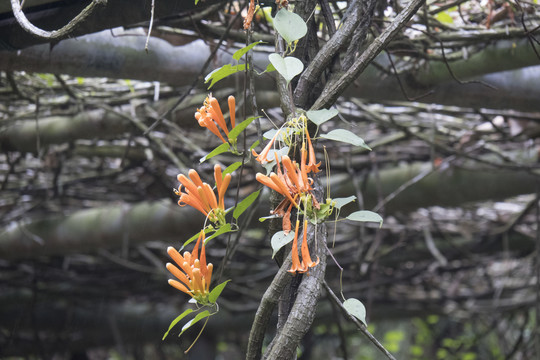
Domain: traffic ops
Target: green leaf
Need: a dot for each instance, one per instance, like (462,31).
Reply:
(244,204)
(231,168)
(214,294)
(239,53)
(219,150)
(288,67)
(444,17)
(356,309)
(340,202)
(365,216)
(269,68)
(254,145)
(175,321)
(279,240)
(270,134)
(345,136)
(290,26)
(233,134)
(320,116)
(195,320)
(222,230)
(194,237)
(223,72)
(264,218)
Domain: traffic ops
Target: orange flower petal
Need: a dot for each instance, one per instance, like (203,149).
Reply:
(208,123)
(284,190)
(176,272)
(232,110)
(265,180)
(179,286)
(306,258)
(218,177)
(312,165)
(194,176)
(294,254)
(217,115)
(208,275)
(262,157)
(223,189)
(210,195)
(188,184)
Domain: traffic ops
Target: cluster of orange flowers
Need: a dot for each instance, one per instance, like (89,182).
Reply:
(293,183)
(290,180)
(195,275)
(211,117)
(201,196)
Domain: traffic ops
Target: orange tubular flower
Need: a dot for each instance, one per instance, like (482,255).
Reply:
(194,274)
(306,258)
(296,264)
(312,166)
(306,263)
(201,196)
(211,117)
(263,156)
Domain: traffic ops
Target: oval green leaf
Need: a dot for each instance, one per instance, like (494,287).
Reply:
(222,230)
(244,204)
(290,26)
(240,52)
(222,73)
(320,116)
(233,134)
(347,137)
(214,294)
(175,321)
(340,202)
(288,67)
(279,240)
(365,216)
(219,150)
(356,309)
(195,320)
(231,168)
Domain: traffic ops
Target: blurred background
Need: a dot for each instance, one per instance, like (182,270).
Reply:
(94,130)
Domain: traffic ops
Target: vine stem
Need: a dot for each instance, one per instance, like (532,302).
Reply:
(363,328)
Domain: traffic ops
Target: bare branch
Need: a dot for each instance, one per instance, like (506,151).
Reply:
(55,34)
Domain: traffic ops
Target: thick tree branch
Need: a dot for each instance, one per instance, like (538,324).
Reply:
(313,72)
(284,344)
(333,90)
(266,307)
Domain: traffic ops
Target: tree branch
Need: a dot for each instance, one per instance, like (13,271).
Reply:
(55,34)
(266,307)
(333,90)
(312,73)
(284,344)
(363,328)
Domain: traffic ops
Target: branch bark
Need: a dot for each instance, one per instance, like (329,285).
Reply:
(333,90)
(88,230)
(284,344)
(55,34)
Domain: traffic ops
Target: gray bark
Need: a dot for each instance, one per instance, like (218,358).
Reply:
(124,57)
(91,229)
